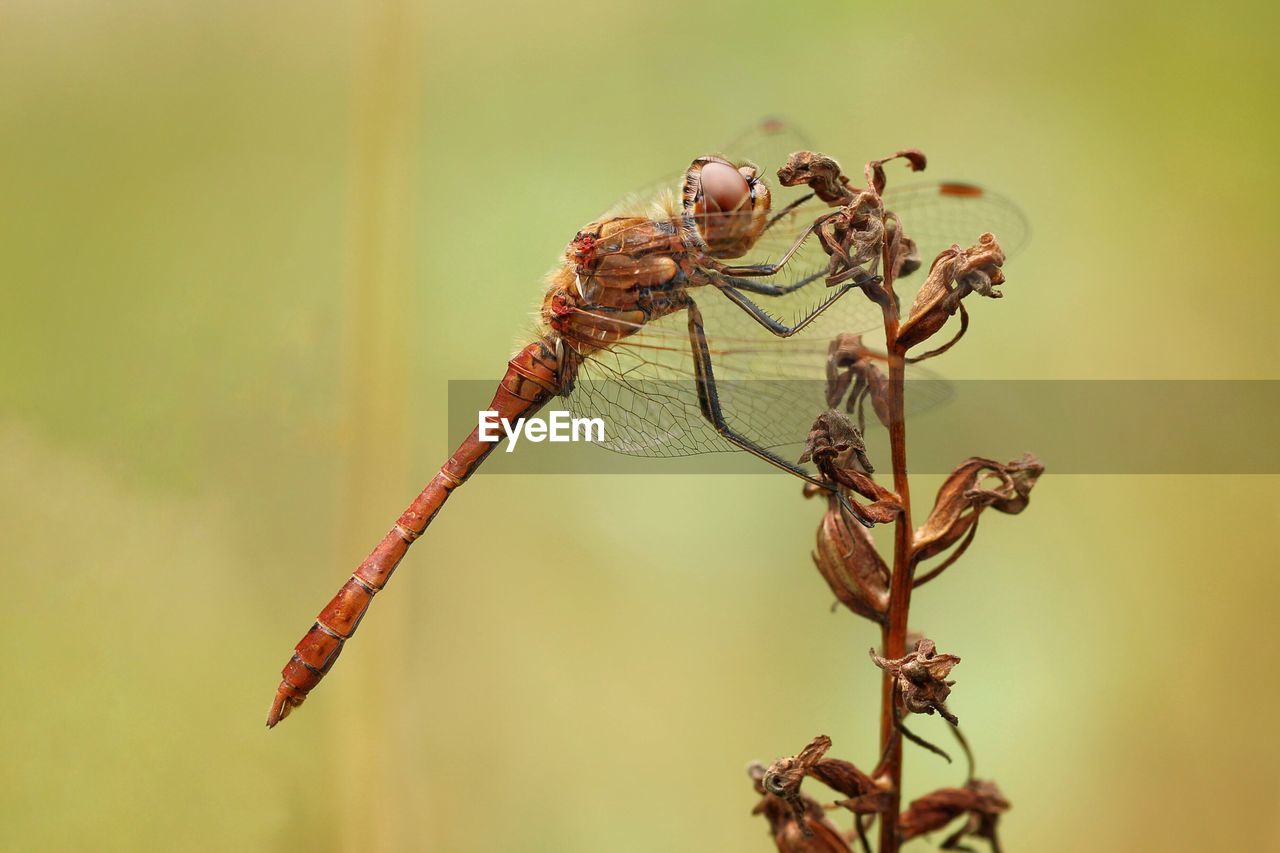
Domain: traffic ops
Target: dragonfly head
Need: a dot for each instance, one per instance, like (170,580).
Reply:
(726,204)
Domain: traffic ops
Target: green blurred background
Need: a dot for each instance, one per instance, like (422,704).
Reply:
(243,248)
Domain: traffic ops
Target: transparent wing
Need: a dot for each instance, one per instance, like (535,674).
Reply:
(770,390)
(767,143)
(936,215)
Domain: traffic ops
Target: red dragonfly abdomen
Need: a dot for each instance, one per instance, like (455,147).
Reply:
(533,377)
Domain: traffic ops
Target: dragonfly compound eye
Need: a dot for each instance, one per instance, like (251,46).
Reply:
(724,189)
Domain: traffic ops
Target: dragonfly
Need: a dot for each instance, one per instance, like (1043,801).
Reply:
(692,317)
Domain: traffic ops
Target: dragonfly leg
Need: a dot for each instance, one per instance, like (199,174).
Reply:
(776,326)
(709,402)
(756,270)
(768,289)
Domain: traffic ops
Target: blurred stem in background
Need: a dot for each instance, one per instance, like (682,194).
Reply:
(383,216)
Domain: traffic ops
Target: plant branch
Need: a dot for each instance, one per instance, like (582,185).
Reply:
(894,633)
(917,740)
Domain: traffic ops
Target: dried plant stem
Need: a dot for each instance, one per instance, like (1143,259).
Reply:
(915,681)
(894,633)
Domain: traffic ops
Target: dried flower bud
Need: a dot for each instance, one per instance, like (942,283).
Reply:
(848,561)
(784,776)
(954,275)
(920,679)
(981,800)
(1013,493)
(781,781)
(849,363)
(853,237)
(820,172)
(962,498)
(802,829)
(835,446)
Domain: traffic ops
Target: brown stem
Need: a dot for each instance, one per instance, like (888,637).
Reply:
(894,633)
(862,833)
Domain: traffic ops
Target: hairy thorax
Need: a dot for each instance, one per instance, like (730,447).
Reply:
(618,274)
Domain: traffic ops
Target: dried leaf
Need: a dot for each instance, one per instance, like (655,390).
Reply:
(933,811)
(981,800)
(963,496)
(873,803)
(954,275)
(874,170)
(865,797)
(1014,492)
(848,561)
(884,506)
(843,776)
